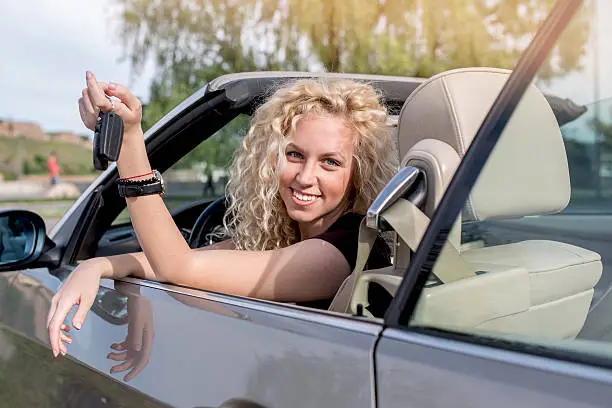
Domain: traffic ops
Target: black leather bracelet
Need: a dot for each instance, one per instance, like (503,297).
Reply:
(136,188)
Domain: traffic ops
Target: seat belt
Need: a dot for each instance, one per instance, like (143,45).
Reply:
(410,223)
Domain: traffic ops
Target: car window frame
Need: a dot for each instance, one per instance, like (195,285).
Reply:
(269,306)
(408,294)
(195,109)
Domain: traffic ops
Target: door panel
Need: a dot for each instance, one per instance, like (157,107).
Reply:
(29,375)
(5,283)
(204,350)
(416,370)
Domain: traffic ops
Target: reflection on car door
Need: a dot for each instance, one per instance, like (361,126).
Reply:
(194,349)
(29,375)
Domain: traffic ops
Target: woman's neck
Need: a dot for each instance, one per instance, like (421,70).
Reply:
(321,224)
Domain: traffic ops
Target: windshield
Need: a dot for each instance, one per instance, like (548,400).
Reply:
(588,142)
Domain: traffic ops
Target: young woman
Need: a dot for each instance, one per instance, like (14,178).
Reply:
(315,157)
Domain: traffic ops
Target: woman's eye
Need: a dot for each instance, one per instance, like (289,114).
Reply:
(332,162)
(294,155)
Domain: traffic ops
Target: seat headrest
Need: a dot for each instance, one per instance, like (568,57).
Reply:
(527,172)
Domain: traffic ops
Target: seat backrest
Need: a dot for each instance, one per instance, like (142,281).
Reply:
(437,124)
(449,108)
(526,174)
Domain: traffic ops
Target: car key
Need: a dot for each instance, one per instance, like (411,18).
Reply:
(108,136)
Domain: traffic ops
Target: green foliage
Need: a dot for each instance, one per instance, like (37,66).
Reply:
(194,41)
(8,176)
(579,157)
(601,123)
(606,132)
(72,158)
(217,151)
(201,39)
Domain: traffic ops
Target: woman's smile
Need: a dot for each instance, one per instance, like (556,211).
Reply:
(303,199)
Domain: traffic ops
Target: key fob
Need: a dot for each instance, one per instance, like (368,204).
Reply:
(108,136)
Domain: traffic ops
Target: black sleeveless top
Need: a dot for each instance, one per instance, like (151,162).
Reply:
(344,235)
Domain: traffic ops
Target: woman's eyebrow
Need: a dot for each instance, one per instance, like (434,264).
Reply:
(333,154)
(293,145)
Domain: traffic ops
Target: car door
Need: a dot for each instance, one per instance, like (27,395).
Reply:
(509,328)
(144,343)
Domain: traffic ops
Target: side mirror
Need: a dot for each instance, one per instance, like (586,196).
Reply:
(22,238)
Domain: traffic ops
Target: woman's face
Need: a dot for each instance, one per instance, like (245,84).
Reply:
(314,182)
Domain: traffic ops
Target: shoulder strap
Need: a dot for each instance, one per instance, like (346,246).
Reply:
(410,223)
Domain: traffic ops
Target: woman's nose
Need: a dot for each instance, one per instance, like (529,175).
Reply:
(306,174)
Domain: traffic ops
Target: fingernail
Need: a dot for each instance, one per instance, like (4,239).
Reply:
(54,352)
(88,74)
(112,86)
(77,325)
(63,353)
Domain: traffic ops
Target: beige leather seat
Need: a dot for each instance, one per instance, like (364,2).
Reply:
(537,287)
(534,287)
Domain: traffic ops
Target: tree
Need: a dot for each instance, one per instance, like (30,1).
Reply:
(193,41)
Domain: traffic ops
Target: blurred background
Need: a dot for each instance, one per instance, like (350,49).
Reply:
(164,50)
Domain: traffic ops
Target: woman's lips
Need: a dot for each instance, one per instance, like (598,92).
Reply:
(303,199)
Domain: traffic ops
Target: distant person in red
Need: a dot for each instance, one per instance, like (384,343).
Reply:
(53,168)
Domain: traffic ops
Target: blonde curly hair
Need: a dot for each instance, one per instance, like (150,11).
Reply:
(257,218)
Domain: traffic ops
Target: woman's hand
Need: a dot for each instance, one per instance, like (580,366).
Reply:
(80,288)
(134,352)
(96,97)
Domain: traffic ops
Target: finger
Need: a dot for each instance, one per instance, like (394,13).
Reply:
(63,349)
(79,317)
(89,108)
(56,321)
(135,338)
(117,356)
(66,338)
(126,365)
(85,118)
(51,310)
(88,119)
(119,346)
(124,95)
(137,369)
(96,94)
(148,340)
(144,358)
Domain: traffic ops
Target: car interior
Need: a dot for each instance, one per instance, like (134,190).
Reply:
(533,287)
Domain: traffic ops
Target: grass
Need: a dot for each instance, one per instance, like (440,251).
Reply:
(72,158)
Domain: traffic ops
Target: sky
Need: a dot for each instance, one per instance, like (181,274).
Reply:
(579,85)
(47,45)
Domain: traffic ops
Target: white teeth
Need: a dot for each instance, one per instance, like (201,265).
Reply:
(304,197)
